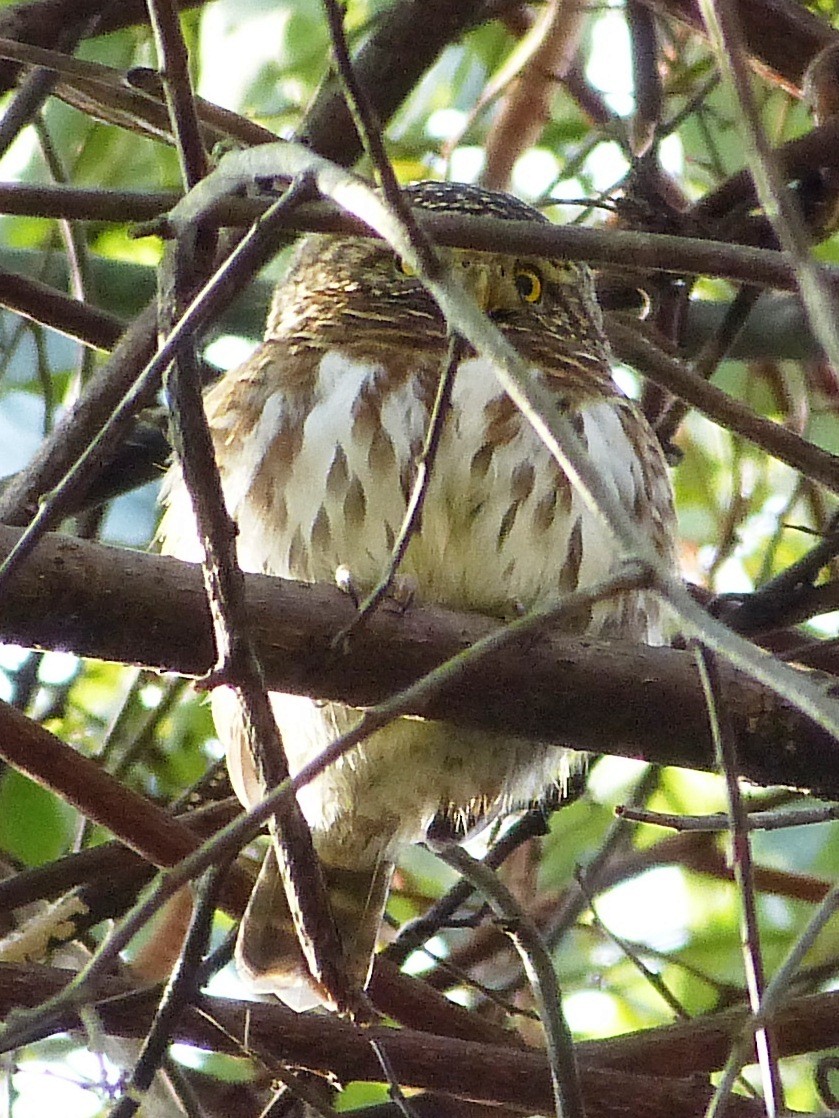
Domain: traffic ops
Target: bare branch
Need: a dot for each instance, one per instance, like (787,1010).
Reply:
(630,700)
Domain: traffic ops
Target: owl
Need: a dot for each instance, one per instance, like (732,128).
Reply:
(317,437)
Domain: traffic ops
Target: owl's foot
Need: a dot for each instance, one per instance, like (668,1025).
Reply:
(397,591)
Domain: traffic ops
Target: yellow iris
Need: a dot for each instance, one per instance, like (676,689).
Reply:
(528,284)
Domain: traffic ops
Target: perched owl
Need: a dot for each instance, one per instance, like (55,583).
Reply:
(317,437)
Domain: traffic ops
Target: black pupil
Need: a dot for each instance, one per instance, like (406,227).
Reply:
(525,285)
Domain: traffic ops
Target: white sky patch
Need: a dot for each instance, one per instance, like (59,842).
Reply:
(613,778)
(610,63)
(466,163)
(653,909)
(150,695)
(591,1013)
(730,577)
(12,656)
(606,166)
(57,668)
(419,961)
(445,123)
(228,350)
(79,1087)
(238,30)
(534,173)
(672,155)
(214,749)
(626,380)
(828,625)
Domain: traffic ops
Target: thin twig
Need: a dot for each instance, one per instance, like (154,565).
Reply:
(416,933)
(396,1093)
(636,349)
(632,953)
(714,824)
(529,80)
(413,513)
(238,666)
(600,246)
(173,61)
(649,97)
(712,354)
(725,748)
(540,972)
(618,835)
(177,997)
(369,129)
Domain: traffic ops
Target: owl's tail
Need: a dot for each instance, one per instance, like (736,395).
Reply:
(268,953)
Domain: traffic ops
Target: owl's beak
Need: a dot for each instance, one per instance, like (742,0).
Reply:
(482,281)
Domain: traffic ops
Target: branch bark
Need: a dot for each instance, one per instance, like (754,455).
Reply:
(504,1074)
(629,700)
(782,36)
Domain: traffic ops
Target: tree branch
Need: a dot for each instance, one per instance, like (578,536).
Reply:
(628,700)
(505,1074)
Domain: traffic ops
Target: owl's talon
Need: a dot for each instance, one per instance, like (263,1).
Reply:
(401,593)
(346,583)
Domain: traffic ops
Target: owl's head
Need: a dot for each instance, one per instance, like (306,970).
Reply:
(358,290)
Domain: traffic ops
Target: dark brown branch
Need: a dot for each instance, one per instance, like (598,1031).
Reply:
(158,837)
(781,35)
(41,303)
(408,39)
(785,445)
(505,1074)
(44,22)
(599,246)
(623,699)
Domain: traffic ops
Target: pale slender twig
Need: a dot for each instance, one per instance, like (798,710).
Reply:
(755,821)
(396,1093)
(725,749)
(540,973)
(774,993)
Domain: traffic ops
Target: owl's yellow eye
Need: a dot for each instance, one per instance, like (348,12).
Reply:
(405,268)
(528,284)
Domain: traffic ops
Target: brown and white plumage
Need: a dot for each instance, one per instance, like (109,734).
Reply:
(317,436)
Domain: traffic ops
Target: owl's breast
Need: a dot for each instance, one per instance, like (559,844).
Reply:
(502,527)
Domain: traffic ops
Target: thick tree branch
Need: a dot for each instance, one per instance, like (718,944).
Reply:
(624,699)
(505,1074)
